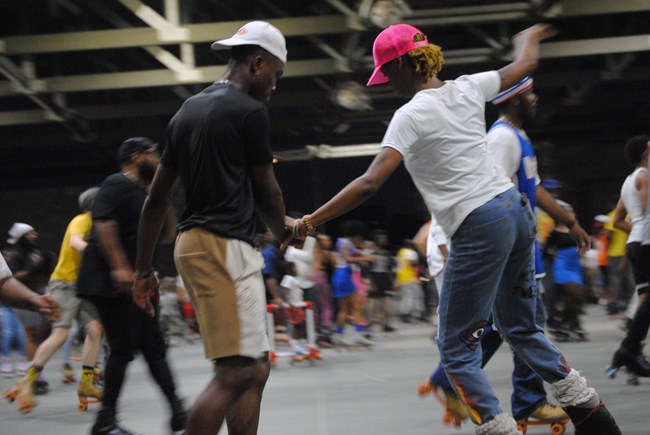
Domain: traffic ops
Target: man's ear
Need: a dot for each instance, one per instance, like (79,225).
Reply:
(256,65)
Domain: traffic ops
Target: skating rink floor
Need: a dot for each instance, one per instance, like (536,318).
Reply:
(346,393)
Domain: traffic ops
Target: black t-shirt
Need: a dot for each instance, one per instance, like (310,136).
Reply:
(121,200)
(212,142)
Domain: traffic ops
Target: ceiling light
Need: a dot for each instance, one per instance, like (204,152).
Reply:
(384,13)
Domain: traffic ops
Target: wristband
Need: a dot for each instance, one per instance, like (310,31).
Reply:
(145,275)
(308,225)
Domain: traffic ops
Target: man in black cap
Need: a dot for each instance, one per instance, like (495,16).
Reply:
(105,278)
(218,145)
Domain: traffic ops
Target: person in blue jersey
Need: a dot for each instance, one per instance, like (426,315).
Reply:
(513,152)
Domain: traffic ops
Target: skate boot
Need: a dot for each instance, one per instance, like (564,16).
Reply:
(339,341)
(361,340)
(593,421)
(7,367)
(41,386)
(635,363)
(68,374)
(455,410)
(106,424)
(88,393)
(179,416)
(23,394)
(550,414)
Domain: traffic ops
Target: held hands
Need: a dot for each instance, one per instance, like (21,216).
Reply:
(145,292)
(296,230)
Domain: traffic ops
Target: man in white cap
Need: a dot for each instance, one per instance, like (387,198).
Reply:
(218,145)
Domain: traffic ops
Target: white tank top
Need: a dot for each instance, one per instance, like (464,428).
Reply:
(632,201)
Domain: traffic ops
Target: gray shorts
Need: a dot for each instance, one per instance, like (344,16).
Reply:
(72,307)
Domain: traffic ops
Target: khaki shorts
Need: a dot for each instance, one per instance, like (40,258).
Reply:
(223,278)
(72,307)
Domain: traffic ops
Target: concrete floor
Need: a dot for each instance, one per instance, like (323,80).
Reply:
(348,393)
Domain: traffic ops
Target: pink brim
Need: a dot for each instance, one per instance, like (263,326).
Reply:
(377,77)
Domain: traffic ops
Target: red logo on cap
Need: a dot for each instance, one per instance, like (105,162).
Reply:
(243,31)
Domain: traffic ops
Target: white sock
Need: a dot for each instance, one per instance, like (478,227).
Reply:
(502,424)
(573,391)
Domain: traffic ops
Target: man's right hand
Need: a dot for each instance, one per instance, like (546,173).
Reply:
(122,279)
(145,292)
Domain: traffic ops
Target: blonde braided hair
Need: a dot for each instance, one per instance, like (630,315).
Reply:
(427,60)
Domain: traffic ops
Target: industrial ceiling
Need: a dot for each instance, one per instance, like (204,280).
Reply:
(78,76)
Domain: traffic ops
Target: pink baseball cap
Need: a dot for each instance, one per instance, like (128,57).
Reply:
(391,43)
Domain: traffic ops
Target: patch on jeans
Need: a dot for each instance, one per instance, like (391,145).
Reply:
(472,336)
(527,287)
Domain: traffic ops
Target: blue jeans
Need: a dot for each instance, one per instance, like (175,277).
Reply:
(12,330)
(490,274)
(528,392)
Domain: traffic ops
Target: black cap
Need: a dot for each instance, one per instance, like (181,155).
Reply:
(134,145)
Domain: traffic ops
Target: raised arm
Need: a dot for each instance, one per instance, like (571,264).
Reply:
(526,54)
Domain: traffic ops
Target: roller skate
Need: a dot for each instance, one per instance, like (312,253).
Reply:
(362,340)
(549,414)
(88,393)
(179,416)
(309,354)
(106,424)
(98,377)
(23,394)
(339,341)
(634,362)
(7,368)
(41,386)
(593,421)
(68,374)
(455,410)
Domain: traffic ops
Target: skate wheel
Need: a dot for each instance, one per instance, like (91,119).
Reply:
(424,388)
(447,418)
(557,429)
(457,421)
(611,372)
(522,427)
(10,395)
(83,406)
(26,409)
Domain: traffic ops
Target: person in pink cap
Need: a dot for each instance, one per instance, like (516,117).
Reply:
(440,135)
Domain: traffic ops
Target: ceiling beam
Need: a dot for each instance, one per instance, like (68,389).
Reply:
(144,36)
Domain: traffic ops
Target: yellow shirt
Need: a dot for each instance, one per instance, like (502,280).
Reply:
(69,258)
(545,225)
(407,259)
(618,238)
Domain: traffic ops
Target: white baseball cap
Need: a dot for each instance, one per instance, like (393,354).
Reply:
(258,33)
(18,230)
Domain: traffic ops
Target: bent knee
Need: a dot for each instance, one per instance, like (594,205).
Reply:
(241,372)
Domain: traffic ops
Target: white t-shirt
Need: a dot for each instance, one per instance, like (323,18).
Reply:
(5,272)
(436,237)
(304,261)
(504,146)
(294,291)
(631,197)
(441,136)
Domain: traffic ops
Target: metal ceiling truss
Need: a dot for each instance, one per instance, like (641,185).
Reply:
(169,30)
